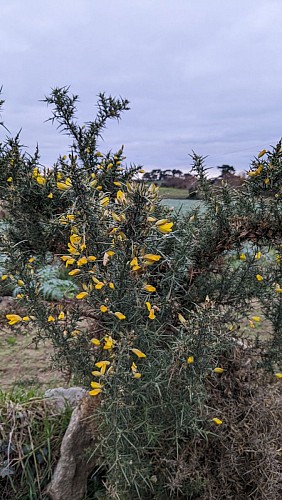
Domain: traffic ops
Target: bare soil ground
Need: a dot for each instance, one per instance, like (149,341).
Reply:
(22,364)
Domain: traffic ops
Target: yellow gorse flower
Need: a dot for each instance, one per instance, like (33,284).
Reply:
(74,272)
(103,309)
(119,315)
(164,226)
(138,353)
(134,264)
(105,201)
(254,173)
(182,319)
(82,295)
(120,197)
(217,421)
(82,261)
(152,314)
(97,388)
(99,285)
(108,342)
(64,186)
(150,288)
(190,360)
(151,258)
(242,256)
(278,375)
(41,180)
(61,315)
(13,319)
(259,277)
(95,342)
(50,318)
(218,369)
(256,318)
(262,153)
(103,366)
(4,277)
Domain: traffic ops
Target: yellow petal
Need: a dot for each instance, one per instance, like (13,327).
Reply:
(50,319)
(261,153)
(101,364)
(256,318)
(4,277)
(242,256)
(62,186)
(92,258)
(96,385)
(152,314)
(152,257)
(103,309)
(96,373)
(190,360)
(138,353)
(13,319)
(137,375)
(166,228)
(217,421)
(61,315)
(120,197)
(259,277)
(40,180)
(258,255)
(95,392)
(111,285)
(119,315)
(99,285)
(81,295)
(150,288)
(108,342)
(148,305)
(161,222)
(75,239)
(182,319)
(95,342)
(278,375)
(82,261)
(74,272)
(20,283)
(105,201)
(218,369)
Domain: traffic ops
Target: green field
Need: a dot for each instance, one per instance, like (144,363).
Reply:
(181,204)
(173,193)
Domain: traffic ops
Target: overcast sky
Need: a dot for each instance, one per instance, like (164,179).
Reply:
(199,74)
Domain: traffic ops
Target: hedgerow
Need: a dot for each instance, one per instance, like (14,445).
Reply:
(159,300)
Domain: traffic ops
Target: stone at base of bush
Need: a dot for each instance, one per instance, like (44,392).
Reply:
(60,397)
(73,468)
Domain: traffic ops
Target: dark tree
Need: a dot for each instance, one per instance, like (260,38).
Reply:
(226,169)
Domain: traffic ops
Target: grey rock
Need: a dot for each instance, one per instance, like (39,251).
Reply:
(69,481)
(60,397)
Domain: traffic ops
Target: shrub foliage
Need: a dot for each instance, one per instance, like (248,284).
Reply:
(159,298)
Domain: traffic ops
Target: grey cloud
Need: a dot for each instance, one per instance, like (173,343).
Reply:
(200,75)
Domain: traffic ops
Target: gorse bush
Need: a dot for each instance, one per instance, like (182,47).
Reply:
(158,301)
